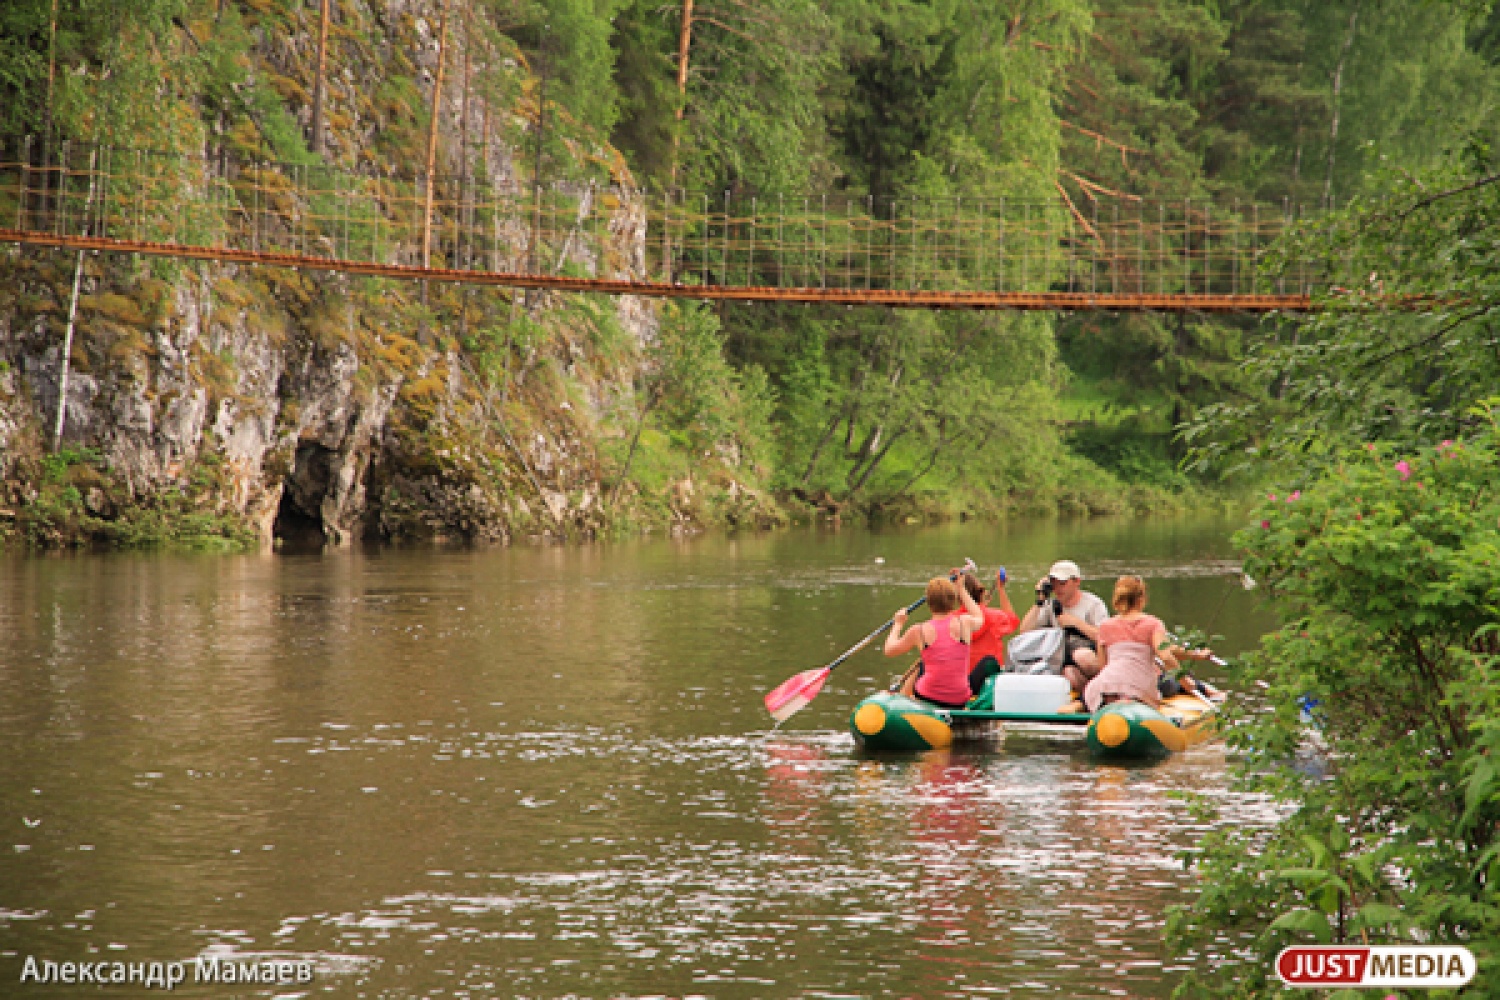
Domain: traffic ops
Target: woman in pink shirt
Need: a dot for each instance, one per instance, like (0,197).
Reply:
(943,675)
(1129,645)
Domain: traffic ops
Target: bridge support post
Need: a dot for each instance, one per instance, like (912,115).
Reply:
(754,215)
(1000,266)
(25,177)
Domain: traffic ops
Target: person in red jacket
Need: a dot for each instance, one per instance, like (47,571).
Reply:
(987,646)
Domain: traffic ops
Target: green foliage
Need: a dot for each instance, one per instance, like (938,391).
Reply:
(754,109)
(1146,375)
(1402,346)
(958,96)
(91,43)
(77,503)
(1412,86)
(1132,454)
(648,95)
(877,408)
(1266,108)
(1385,570)
(699,395)
(697,417)
(569,40)
(902,59)
(57,465)
(1246,101)
(24,35)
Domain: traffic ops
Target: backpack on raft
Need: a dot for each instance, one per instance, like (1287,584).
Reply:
(1040,651)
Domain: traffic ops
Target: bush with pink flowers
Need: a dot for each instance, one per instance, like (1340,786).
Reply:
(1385,572)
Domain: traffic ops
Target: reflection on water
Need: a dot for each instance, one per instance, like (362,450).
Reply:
(546,772)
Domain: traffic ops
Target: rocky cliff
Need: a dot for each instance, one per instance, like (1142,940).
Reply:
(226,404)
(233,394)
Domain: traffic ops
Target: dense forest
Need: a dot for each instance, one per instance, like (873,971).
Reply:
(743,412)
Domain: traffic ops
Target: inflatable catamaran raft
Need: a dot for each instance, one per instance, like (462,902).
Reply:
(887,722)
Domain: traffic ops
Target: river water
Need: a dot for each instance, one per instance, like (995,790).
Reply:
(546,772)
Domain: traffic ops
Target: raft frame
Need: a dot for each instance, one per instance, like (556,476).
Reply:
(887,722)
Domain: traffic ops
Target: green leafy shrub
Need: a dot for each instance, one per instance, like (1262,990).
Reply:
(1131,452)
(77,503)
(708,413)
(1385,569)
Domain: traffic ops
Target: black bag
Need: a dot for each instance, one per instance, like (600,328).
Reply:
(1075,641)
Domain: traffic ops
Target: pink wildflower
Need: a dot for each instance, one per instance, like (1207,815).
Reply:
(1266,525)
(1271,497)
(1404,469)
(1296,495)
(1445,446)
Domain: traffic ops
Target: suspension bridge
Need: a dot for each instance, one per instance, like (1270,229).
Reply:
(588,236)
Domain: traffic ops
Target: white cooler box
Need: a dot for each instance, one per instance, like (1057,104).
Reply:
(1031,694)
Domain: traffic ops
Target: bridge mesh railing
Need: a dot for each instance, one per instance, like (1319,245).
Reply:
(973,244)
(470,221)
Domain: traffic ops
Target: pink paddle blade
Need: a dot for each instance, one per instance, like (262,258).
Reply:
(793,695)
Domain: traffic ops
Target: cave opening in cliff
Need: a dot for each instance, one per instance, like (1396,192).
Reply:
(299,518)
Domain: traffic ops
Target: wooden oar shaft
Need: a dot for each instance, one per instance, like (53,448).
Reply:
(793,694)
(871,637)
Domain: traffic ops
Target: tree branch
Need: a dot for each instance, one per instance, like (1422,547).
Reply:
(937,451)
(1077,215)
(870,469)
(1439,196)
(1423,342)
(1089,187)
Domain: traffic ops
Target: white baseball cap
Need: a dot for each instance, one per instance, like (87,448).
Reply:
(1065,569)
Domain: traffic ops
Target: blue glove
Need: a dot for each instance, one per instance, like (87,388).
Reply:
(1000,574)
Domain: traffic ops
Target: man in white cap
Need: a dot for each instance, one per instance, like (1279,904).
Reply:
(1061,602)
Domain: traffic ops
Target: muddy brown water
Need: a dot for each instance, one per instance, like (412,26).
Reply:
(546,772)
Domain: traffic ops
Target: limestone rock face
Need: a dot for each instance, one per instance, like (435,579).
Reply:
(13,413)
(304,436)
(327,406)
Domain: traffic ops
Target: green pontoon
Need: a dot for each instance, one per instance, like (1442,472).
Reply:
(886,722)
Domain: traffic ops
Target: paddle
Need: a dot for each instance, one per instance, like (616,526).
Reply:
(793,695)
(1213,658)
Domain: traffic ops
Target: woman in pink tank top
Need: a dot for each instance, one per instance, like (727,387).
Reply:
(1129,645)
(943,675)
